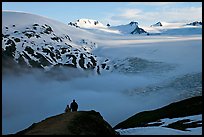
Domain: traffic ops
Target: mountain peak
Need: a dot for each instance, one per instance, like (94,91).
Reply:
(133,23)
(88,23)
(158,24)
(130,28)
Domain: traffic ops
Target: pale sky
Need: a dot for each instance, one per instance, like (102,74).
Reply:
(114,13)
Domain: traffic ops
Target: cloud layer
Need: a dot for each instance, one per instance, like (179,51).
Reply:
(154,12)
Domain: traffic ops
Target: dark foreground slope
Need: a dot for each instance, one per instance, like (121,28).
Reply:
(71,123)
(187,107)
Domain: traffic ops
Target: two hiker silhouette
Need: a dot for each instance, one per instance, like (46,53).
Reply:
(67,109)
(73,107)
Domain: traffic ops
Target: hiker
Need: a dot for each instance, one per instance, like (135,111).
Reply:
(74,106)
(67,109)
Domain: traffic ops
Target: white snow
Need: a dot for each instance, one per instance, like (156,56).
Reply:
(173,29)
(125,29)
(192,118)
(161,130)
(89,23)
(33,97)
(27,19)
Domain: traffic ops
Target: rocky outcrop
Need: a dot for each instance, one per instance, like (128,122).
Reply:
(138,30)
(87,23)
(195,23)
(158,24)
(71,123)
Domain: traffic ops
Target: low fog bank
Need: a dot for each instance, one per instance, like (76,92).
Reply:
(34,96)
(59,73)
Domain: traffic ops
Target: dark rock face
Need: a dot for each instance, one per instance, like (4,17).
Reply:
(133,23)
(96,22)
(195,23)
(138,30)
(71,123)
(158,24)
(73,24)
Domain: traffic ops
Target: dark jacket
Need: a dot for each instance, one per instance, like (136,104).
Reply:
(74,106)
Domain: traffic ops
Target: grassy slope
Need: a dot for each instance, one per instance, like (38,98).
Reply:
(71,123)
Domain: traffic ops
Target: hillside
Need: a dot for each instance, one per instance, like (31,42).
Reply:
(188,107)
(175,118)
(71,123)
(44,43)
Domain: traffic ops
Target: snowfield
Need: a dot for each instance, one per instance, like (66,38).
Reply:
(147,72)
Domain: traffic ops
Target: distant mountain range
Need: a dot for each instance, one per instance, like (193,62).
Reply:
(134,28)
(39,42)
(195,23)
(131,28)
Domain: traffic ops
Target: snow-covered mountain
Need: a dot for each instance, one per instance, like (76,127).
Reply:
(87,23)
(158,24)
(166,28)
(161,28)
(45,43)
(131,28)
